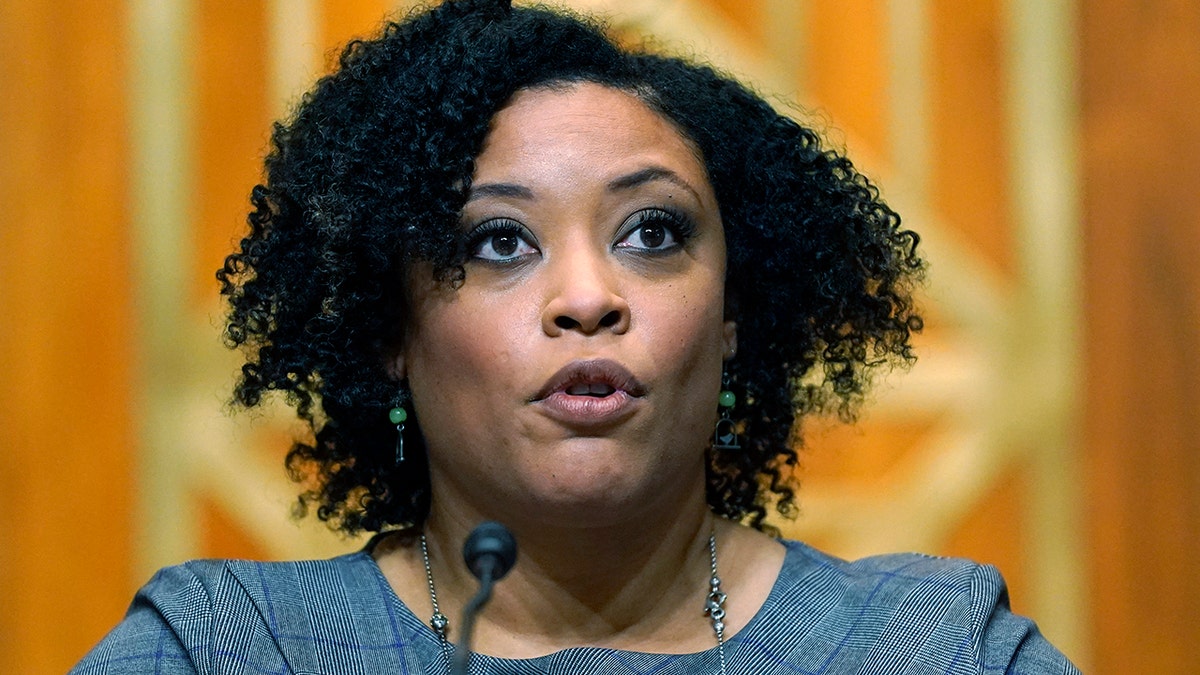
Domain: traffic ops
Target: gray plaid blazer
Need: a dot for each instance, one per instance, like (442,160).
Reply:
(886,614)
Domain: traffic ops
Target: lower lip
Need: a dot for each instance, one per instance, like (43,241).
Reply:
(588,411)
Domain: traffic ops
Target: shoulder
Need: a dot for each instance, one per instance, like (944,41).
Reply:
(200,615)
(909,609)
(894,576)
(215,588)
(888,589)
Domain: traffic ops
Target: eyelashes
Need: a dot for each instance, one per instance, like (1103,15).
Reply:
(501,240)
(655,231)
(650,232)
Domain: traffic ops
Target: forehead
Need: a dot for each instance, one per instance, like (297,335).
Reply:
(585,126)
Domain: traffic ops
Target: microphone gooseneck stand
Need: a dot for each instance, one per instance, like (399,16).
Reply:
(490,551)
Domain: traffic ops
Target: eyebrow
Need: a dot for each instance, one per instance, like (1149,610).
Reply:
(510,190)
(626,182)
(648,175)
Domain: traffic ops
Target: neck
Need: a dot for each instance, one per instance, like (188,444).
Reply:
(624,584)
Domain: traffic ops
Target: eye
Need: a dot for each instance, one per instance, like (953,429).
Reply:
(655,231)
(501,240)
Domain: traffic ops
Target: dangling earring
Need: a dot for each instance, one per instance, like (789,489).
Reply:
(398,415)
(725,437)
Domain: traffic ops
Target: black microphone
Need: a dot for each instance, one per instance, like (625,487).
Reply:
(490,551)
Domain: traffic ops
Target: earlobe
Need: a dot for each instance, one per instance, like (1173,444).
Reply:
(730,338)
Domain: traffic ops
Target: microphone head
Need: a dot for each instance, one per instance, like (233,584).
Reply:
(490,543)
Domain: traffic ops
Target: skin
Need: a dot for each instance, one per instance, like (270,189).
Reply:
(613,249)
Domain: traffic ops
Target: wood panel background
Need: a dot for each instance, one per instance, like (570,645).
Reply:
(1140,86)
(66,360)
(1050,428)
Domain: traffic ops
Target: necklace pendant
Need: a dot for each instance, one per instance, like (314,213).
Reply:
(439,623)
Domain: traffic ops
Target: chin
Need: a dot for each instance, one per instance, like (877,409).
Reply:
(593,492)
(583,484)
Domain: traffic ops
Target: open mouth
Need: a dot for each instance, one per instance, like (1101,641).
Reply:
(597,378)
(590,395)
(596,389)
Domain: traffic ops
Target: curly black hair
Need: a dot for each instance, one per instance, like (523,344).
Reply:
(371,172)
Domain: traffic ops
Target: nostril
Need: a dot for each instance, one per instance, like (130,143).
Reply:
(587,320)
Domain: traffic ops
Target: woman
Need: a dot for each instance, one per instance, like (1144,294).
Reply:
(509,271)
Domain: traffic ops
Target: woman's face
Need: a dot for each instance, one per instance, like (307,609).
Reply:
(575,372)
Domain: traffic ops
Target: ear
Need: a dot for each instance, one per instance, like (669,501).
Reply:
(396,367)
(730,339)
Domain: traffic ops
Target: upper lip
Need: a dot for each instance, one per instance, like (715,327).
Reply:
(591,372)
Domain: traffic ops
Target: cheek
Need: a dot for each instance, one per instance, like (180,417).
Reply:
(452,370)
(689,334)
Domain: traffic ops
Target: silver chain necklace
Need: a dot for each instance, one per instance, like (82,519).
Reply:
(438,622)
(714,604)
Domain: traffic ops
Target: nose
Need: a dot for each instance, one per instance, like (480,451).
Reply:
(583,298)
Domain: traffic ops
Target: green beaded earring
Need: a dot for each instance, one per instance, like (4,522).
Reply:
(725,437)
(397,416)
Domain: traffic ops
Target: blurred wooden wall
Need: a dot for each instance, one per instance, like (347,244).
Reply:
(66,348)
(1140,90)
(71,400)
(74,373)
